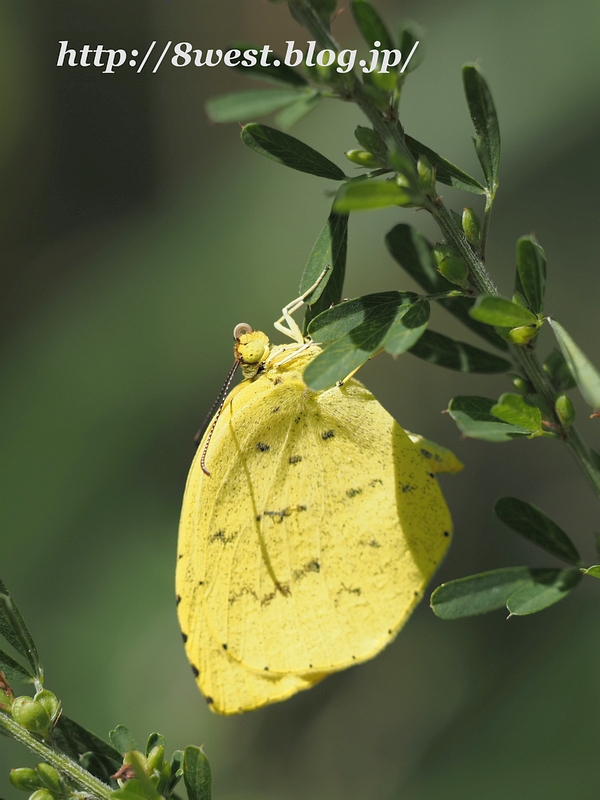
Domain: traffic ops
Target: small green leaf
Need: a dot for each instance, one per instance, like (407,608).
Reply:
(371,25)
(478,594)
(446,352)
(474,417)
(122,739)
(153,740)
(329,251)
(354,331)
(287,118)
(196,774)
(585,373)
(271,74)
(131,790)
(407,329)
(446,172)
(531,267)
(485,121)
(413,252)
(545,591)
(324,8)
(150,790)
(14,630)
(556,367)
(514,409)
(534,525)
(240,106)
(408,36)
(501,312)
(13,670)
(291,152)
(593,571)
(364,195)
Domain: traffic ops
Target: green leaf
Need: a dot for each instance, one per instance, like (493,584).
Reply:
(196,774)
(133,789)
(585,373)
(501,312)
(329,251)
(123,740)
(155,739)
(485,121)
(371,25)
(354,331)
(287,118)
(478,594)
(534,525)
(407,37)
(593,571)
(324,8)
(514,409)
(13,670)
(364,195)
(558,371)
(14,630)
(531,269)
(408,329)
(240,106)
(278,75)
(413,252)
(446,352)
(446,172)
(474,417)
(545,591)
(138,766)
(74,740)
(290,152)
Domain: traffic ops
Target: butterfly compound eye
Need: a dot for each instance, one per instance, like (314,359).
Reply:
(240,329)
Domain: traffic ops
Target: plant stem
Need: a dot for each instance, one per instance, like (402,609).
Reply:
(389,128)
(76,773)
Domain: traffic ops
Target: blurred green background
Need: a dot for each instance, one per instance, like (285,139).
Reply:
(135,235)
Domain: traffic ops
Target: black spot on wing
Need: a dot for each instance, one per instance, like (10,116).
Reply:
(263,447)
(446,533)
(327,434)
(295,459)
(224,646)
(177,600)
(195,670)
(209,700)
(184,637)
(353,492)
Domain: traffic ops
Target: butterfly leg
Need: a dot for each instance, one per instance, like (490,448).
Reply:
(293,330)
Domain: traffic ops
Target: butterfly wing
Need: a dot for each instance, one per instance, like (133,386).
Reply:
(316,534)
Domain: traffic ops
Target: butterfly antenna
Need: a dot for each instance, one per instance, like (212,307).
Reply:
(218,405)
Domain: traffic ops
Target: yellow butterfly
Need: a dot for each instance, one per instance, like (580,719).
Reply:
(311,524)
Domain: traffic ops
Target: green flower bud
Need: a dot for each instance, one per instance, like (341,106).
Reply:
(386,81)
(24,778)
(41,794)
(520,383)
(31,715)
(523,334)
(369,140)
(156,757)
(471,227)
(564,410)
(140,756)
(451,265)
(520,300)
(6,701)
(49,777)
(50,702)
(426,174)
(362,158)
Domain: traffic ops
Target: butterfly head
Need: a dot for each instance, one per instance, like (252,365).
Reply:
(251,349)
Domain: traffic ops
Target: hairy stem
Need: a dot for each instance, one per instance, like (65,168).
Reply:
(65,765)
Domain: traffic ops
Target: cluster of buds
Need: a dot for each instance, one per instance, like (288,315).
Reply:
(44,782)
(153,765)
(38,714)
